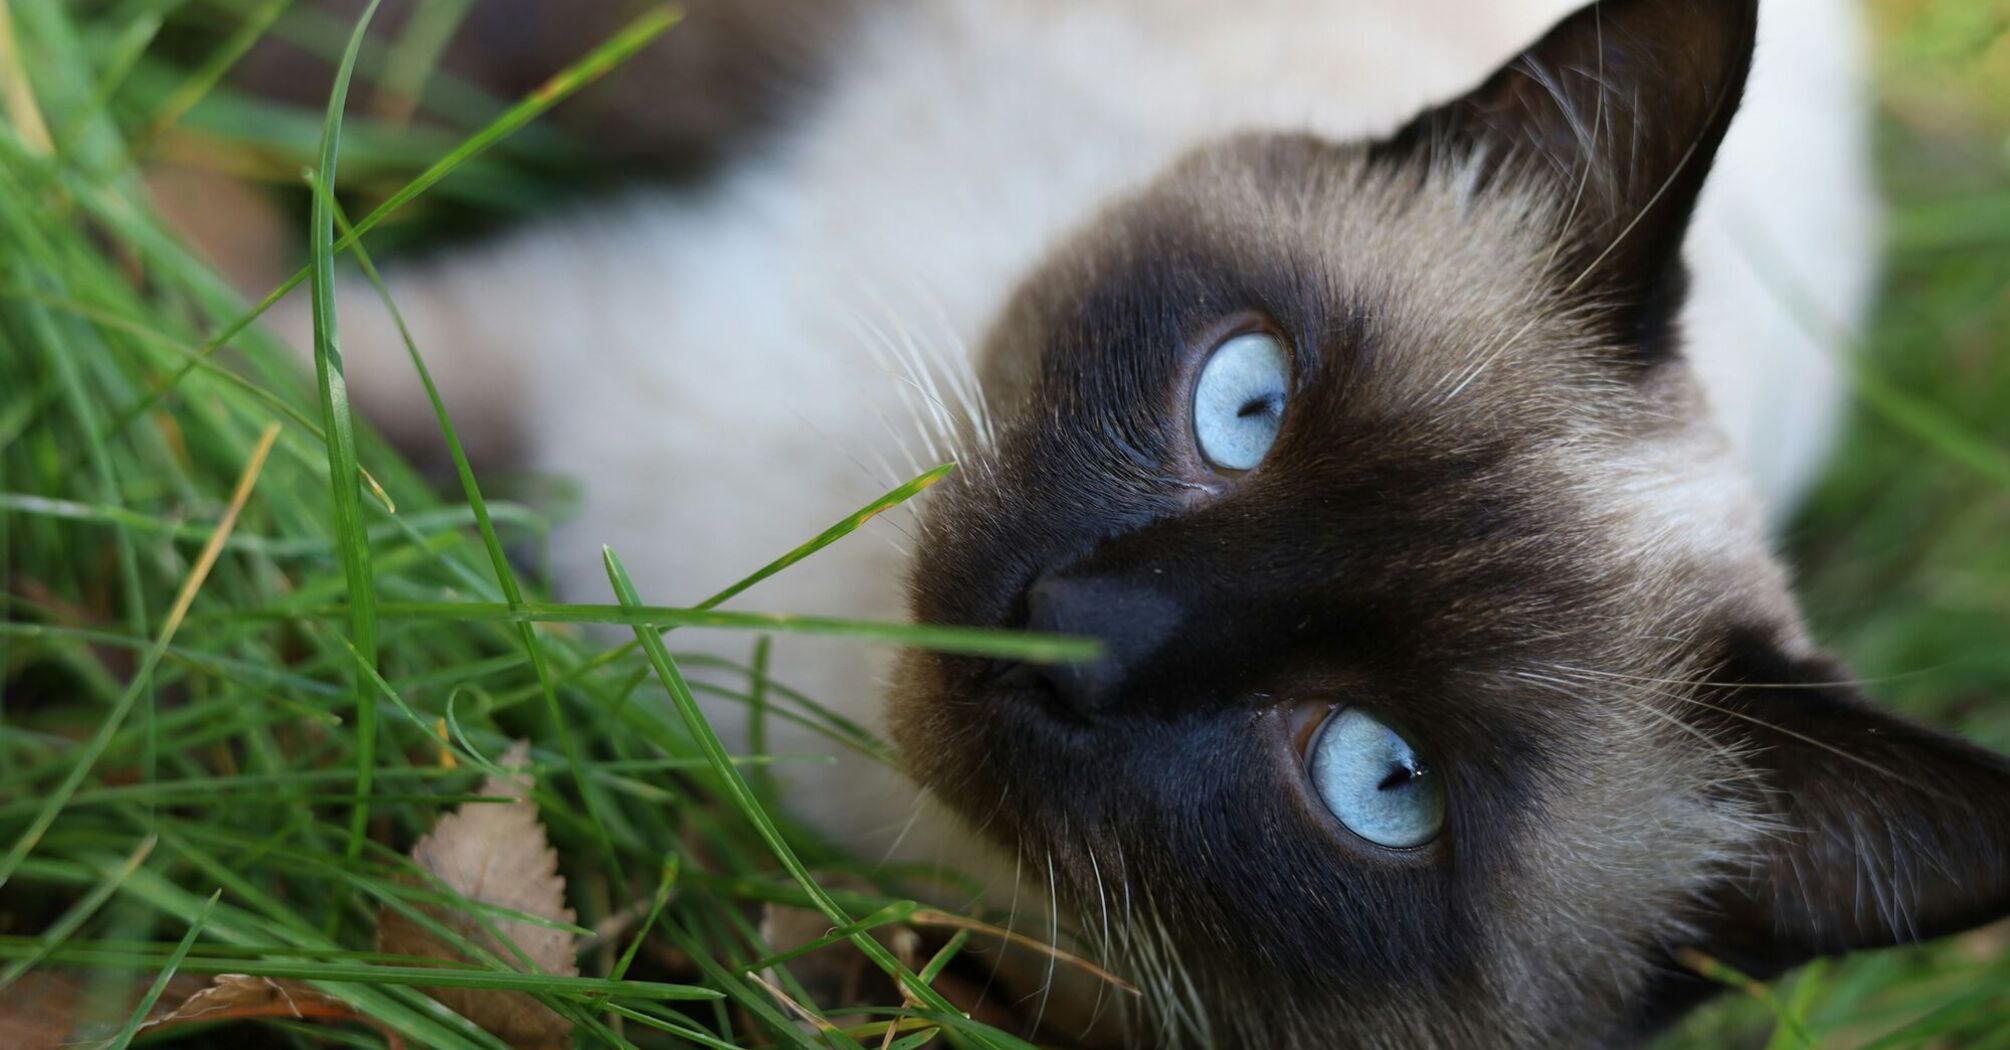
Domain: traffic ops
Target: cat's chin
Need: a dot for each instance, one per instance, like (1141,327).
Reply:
(940,722)
(957,724)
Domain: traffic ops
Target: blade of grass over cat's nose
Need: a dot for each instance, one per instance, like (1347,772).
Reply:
(849,524)
(742,796)
(966,641)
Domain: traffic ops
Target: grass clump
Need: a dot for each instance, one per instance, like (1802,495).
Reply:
(249,654)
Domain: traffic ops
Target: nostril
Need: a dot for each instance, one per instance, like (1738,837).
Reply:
(1015,674)
(1052,602)
(1131,622)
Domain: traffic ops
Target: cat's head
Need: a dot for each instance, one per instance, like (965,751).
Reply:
(1450,689)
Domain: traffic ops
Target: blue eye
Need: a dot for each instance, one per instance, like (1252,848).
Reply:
(1238,404)
(1375,782)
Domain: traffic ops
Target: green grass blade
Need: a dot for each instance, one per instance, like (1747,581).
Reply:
(106,479)
(944,956)
(191,90)
(491,542)
(597,63)
(77,914)
(1807,986)
(969,641)
(1716,970)
(146,1004)
(743,799)
(836,532)
(851,523)
(665,886)
(763,779)
(88,755)
(682,1031)
(416,53)
(900,911)
(1927,422)
(336,419)
(387,974)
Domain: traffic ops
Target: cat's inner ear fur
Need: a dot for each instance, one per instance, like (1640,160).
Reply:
(1617,111)
(1879,831)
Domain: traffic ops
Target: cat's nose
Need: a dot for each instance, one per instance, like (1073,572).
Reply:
(1132,622)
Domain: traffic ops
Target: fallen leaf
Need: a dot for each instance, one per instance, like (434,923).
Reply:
(495,853)
(238,997)
(48,1008)
(38,1010)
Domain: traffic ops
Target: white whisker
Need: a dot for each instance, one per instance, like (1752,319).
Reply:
(1053,941)
(880,345)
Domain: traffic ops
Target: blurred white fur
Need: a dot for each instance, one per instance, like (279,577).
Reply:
(721,370)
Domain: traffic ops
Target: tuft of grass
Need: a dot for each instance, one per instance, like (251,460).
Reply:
(247,655)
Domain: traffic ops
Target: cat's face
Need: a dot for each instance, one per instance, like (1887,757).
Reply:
(1438,701)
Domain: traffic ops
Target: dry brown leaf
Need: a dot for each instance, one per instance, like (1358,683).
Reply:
(38,1010)
(495,853)
(237,997)
(49,1008)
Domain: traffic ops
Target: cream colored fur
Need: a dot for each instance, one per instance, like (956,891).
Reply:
(722,374)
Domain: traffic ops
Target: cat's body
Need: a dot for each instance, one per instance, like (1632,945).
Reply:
(729,369)
(722,368)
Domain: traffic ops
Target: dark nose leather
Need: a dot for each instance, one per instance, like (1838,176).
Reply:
(1132,622)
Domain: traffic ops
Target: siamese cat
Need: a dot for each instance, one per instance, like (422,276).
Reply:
(1396,393)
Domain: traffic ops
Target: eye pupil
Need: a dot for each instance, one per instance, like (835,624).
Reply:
(1260,406)
(1398,777)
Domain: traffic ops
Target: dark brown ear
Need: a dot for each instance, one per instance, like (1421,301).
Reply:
(1620,108)
(1887,832)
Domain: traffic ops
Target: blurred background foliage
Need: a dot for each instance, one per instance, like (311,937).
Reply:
(1903,552)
